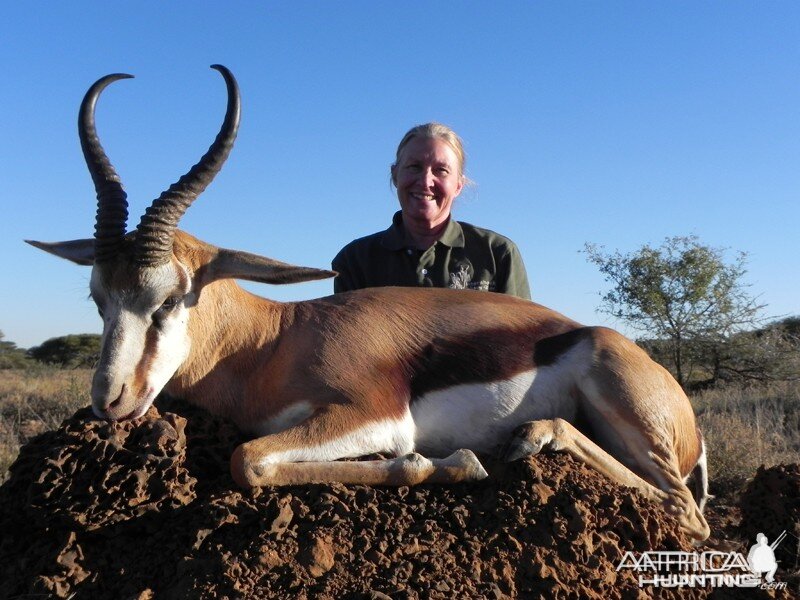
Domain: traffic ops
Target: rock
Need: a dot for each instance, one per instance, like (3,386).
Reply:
(318,557)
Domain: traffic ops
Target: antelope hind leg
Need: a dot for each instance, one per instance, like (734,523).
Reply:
(560,435)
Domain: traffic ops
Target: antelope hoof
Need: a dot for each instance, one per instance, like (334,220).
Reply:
(530,439)
(466,460)
(461,465)
(518,448)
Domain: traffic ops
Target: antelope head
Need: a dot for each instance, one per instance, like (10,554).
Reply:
(146,283)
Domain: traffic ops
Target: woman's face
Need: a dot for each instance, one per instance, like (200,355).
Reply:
(428,179)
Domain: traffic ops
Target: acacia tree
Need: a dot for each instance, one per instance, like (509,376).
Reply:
(71,351)
(11,357)
(682,292)
(770,353)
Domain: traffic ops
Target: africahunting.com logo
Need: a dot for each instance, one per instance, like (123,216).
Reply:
(672,569)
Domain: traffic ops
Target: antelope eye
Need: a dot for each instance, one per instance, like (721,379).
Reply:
(168,306)
(171,303)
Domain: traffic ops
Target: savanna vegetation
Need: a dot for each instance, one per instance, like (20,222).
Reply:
(36,399)
(698,319)
(40,387)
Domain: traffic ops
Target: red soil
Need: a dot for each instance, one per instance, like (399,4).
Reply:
(147,509)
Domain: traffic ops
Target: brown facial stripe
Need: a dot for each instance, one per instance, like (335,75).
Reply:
(489,355)
(143,368)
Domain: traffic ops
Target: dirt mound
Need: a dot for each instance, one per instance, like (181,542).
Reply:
(147,509)
(144,471)
(771,505)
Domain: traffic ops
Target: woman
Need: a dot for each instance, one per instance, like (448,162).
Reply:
(424,246)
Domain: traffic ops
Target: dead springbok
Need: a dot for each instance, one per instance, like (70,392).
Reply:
(386,370)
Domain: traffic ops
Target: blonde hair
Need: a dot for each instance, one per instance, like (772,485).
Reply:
(435,131)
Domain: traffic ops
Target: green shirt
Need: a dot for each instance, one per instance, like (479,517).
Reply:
(465,257)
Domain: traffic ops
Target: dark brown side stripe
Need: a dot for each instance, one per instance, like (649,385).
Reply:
(549,350)
(485,356)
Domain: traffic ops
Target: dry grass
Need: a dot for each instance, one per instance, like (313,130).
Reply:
(746,427)
(36,400)
(743,427)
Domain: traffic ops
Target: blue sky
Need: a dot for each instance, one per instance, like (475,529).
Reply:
(618,123)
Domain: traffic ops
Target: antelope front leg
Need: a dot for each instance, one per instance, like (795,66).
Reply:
(249,470)
(309,452)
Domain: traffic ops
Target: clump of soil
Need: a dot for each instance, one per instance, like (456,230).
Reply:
(144,471)
(147,509)
(771,505)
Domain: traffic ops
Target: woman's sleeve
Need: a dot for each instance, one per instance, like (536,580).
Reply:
(516,283)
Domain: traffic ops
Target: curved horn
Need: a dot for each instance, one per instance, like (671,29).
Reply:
(157,228)
(112,205)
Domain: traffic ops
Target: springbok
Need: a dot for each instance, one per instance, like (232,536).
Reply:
(384,370)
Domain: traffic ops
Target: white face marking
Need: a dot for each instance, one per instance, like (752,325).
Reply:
(393,436)
(138,323)
(172,349)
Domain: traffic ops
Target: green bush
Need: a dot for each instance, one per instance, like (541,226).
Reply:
(70,351)
(12,357)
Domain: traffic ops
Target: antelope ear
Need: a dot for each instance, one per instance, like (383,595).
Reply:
(78,251)
(233,264)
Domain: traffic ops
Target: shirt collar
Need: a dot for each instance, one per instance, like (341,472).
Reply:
(394,238)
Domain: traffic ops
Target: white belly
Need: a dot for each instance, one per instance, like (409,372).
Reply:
(481,416)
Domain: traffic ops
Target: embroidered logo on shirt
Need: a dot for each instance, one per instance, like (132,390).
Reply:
(483,286)
(461,278)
